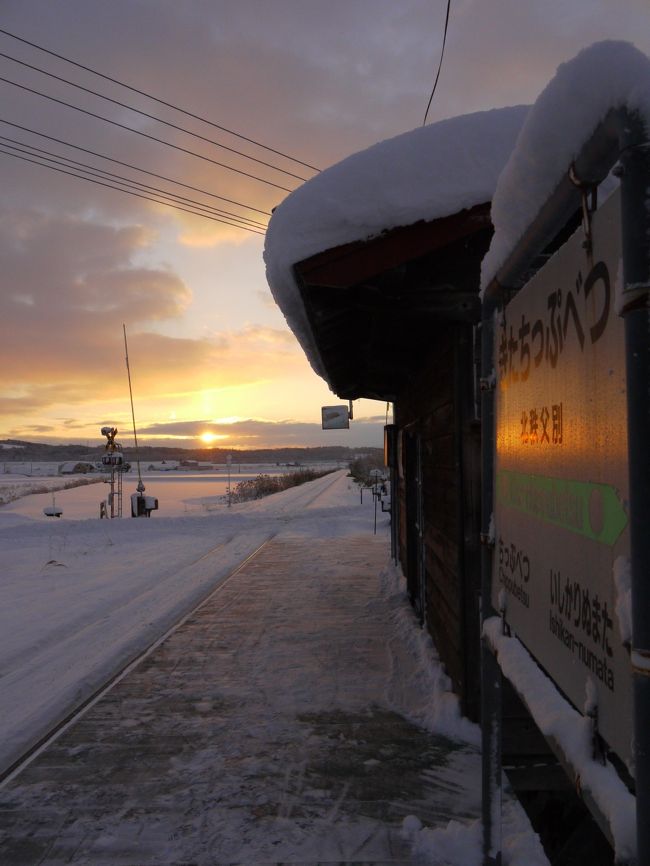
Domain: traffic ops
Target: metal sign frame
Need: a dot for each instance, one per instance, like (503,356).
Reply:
(561,483)
(620,139)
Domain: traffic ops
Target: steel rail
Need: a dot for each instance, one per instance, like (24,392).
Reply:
(21,763)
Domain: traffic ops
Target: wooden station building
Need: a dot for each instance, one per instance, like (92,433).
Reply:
(375,263)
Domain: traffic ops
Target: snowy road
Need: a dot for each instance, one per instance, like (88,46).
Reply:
(82,598)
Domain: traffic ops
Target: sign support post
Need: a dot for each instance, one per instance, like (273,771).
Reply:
(491,681)
(635,186)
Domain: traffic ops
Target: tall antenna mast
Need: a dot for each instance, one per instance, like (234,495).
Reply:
(140,488)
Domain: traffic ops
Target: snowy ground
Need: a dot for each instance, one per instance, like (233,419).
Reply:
(82,597)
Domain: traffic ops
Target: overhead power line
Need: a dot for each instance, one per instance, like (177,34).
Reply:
(133,167)
(95,171)
(130,192)
(149,116)
(442,54)
(141,133)
(157,99)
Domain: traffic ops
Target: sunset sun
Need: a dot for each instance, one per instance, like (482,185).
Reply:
(209,438)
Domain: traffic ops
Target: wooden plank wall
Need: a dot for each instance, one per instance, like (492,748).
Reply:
(432,407)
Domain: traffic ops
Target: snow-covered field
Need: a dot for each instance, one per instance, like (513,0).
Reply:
(180,491)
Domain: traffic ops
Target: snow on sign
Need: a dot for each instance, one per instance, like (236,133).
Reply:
(335,417)
(561,473)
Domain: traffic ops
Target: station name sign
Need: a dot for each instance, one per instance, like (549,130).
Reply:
(561,473)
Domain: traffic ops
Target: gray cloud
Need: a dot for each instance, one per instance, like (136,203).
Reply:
(69,284)
(40,428)
(252,433)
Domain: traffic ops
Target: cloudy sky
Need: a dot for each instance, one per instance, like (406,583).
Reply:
(312,79)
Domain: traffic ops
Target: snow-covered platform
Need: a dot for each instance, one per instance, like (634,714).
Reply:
(278,723)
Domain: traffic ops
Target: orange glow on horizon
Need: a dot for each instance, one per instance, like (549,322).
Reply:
(208,438)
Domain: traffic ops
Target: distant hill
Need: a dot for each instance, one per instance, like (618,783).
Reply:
(16,449)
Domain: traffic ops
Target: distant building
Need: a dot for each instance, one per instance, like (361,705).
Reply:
(163,466)
(77,467)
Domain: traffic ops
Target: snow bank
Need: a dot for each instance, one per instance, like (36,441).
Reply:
(425,697)
(622,574)
(557,719)
(604,76)
(432,703)
(425,174)
(460,844)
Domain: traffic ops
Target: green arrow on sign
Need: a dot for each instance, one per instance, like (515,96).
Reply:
(592,510)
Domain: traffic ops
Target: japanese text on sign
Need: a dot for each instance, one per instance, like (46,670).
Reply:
(529,344)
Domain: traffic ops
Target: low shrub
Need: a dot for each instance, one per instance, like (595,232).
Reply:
(361,468)
(265,485)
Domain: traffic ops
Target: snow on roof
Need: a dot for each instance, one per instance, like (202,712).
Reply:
(603,76)
(428,173)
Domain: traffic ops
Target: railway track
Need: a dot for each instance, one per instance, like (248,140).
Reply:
(20,763)
(303,497)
